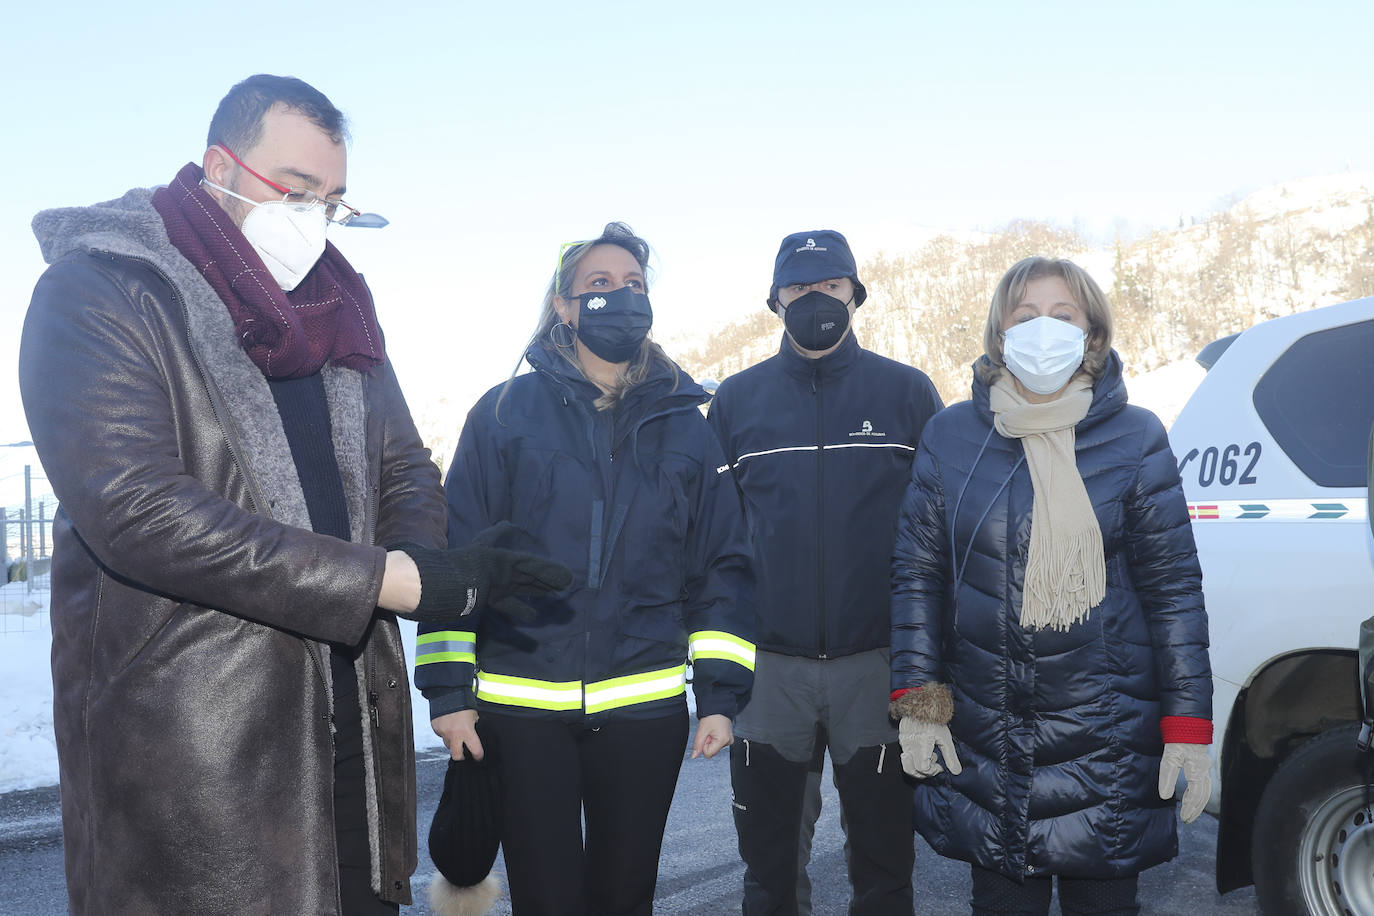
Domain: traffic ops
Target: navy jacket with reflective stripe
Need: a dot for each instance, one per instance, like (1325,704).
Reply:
(635,502)
(822,452)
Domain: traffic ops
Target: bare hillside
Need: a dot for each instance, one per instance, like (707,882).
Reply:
(1286,248)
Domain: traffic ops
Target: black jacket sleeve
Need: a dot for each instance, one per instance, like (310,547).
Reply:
(921,586)
(720,591)
(1168,578)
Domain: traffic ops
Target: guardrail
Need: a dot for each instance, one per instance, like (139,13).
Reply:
(25,557)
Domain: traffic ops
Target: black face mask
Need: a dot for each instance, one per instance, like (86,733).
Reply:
(816,321)
(614,324)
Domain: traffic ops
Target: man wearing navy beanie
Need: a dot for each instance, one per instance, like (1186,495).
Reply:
(821,438)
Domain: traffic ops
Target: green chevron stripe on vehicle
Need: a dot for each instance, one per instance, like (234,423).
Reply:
(1279,510)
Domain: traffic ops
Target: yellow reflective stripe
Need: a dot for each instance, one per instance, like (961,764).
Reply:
(445,636)
(717,644)
(636,688)
(598,697)
(524,691)
(446,646)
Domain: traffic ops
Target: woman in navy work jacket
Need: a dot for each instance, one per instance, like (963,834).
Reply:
(602,458)
(1048,630)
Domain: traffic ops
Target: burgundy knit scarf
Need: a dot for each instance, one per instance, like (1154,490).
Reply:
(328,317)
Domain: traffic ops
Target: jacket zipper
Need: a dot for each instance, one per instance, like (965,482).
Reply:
(383,872)
(608,494)
(595,423)
(818,390)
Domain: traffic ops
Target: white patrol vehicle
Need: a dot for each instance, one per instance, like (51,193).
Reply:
(1273,452)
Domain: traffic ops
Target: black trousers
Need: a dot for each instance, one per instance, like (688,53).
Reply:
(620,777)
(994,893)
(755,895)
(876,801)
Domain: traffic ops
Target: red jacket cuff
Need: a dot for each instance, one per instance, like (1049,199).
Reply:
(1185,730)
(899,691)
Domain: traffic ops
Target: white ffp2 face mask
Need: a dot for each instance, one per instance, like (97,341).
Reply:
(1043,353)
(288,239)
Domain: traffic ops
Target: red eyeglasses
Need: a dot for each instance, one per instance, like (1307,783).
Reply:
(336,211)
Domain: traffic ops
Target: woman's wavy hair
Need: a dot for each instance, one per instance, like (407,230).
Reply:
(561,286)
(1086,294)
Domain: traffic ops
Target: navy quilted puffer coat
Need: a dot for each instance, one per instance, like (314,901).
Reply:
(1058,732)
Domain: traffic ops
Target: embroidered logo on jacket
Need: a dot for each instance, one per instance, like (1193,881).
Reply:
(867,430)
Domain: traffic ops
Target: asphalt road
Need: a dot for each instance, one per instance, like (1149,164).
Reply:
(700,871)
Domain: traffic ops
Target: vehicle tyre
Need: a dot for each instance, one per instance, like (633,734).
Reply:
(1313,844)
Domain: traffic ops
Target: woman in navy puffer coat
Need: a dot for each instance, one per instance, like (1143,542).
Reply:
(1051,676)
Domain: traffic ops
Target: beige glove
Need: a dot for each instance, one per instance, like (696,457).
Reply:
(919,740)
(1196,764)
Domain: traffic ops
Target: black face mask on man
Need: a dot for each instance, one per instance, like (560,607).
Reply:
(613,324)
(816,321)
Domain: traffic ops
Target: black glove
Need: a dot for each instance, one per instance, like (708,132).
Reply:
(457,582)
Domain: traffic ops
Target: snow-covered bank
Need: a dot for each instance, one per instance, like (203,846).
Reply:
(28,751)
(28,754)
(1166,389)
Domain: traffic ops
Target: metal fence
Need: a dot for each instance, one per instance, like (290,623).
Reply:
(25,556)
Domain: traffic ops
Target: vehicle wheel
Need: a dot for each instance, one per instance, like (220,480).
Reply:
(1313,845)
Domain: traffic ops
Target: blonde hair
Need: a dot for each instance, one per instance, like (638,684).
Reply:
(1087,295)
(639,367)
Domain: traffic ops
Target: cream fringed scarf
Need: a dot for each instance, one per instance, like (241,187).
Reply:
(1066,575)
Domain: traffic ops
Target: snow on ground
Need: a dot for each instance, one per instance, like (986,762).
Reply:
(28,754)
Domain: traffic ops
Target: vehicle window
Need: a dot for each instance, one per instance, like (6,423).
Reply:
(1317,401)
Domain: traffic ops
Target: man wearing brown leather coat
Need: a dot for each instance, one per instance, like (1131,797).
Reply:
(205,382)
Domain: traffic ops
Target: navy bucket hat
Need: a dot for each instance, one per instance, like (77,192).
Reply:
(821,254)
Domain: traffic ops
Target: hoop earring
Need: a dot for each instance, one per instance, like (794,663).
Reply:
(568,333)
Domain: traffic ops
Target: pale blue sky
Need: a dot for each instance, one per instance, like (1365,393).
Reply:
(491,133)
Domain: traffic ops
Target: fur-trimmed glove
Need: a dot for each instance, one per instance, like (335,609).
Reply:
(456,582)
(1196,765)
(923,718)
